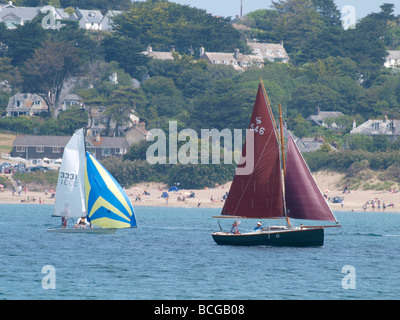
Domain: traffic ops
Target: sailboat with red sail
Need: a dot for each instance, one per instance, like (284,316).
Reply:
(280,185)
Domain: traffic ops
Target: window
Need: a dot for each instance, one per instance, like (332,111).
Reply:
(106,152)
(376,126)
(56,149)
(20,149)
(39,149)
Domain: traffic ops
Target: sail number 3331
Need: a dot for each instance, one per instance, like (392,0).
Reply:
(257,126)
(68,179)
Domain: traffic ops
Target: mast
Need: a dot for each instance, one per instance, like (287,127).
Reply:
(282,141)
(283,163)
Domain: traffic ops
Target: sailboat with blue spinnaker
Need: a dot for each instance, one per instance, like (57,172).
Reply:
(88,192)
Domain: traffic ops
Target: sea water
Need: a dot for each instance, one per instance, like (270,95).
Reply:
(171,255)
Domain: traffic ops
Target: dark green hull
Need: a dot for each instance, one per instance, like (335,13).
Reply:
(299,237)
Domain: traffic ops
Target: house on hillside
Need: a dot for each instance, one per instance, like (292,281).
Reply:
(159,55)
(31,104)
(14,16)
(319,118)
(36,148)
(89,19)
(134,130)
(274,52)
(103,147)
(107,23)
(374,127)
(236,60)
(393,59)
(69,100)
(136,133)
(311,144)
(26,104)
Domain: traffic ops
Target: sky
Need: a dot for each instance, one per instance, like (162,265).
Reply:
(231,8)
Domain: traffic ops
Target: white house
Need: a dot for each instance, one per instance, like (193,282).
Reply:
(26,104)
(237,60)
(274,52)
(393,59)
(14,16)
(375,127)
(89,19)
(160,55)
(106,23)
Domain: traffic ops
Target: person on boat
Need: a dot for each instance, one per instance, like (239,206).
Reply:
(64,222)
(81,223)
(259,226)
(235,227)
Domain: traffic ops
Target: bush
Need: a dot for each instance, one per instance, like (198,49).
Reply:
(391,174)
(130,172)
(200,176)
(342,161)
(356,167)
(188,176)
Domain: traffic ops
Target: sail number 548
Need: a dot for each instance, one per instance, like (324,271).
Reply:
(257,129)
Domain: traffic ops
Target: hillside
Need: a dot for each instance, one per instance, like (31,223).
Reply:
(330,69)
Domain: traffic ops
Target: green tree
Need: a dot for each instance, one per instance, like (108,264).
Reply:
(165,25)
(9,72)
(306,99)
(298,23)
(123,103)
(359,142)
(127,52)
(23,40)
(51,65)
(263,25)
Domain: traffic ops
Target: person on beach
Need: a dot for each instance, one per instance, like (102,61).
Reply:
(235,227)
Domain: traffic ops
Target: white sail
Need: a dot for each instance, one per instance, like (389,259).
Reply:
(70,193)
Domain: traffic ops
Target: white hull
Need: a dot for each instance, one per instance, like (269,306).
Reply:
(83,230)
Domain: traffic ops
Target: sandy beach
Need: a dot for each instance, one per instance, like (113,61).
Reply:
(213,198)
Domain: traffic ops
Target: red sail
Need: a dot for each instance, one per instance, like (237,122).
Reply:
(258,194)
(303,197)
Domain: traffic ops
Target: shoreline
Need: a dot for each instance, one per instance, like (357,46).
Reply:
(149,194)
